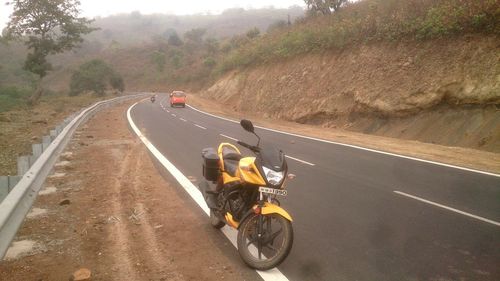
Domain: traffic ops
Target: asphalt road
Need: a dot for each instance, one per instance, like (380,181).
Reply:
(358,215)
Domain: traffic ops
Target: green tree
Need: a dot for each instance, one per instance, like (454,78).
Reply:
(116,82)
(174,39)
(209,62)
(195,35)
(253,33)
(95,76)
(158,59)
(277,25)
(324,7)
(212,45)
(46,27)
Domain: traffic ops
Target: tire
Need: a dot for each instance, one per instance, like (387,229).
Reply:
(283,248)
(183,105)
(215,221)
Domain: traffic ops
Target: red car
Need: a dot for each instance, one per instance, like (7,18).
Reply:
(177,98)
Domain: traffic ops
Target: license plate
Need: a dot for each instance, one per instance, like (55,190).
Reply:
(275,191)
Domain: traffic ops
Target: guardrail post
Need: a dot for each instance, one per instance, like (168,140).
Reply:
(13,180)
(37,149)
(4,187)
(23,165)
(53,135)
(58,129)
(45,142)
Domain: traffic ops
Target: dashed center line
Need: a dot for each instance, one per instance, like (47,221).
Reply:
(182,119)
(447,208)
(173,115)
(228,137)
(201,127)
(301,161)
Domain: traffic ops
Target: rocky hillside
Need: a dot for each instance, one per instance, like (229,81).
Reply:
(444,91)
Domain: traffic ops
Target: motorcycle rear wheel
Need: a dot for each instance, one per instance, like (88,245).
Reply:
(263,253)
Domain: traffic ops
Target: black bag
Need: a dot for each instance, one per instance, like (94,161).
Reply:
(210,164)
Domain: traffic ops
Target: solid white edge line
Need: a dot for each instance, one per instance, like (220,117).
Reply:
(298,160)
(447,208)
(355,146)
(270,275)
(231,138)
(201,127)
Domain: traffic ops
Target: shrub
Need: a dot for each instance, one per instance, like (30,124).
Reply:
(12,96)
(95,76)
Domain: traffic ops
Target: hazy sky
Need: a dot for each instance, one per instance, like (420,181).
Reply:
(92,8)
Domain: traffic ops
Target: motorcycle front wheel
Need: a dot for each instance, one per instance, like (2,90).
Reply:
(271,247)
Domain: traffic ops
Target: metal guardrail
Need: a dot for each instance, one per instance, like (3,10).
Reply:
(15,206)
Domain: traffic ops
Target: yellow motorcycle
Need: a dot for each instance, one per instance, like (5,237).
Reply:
(243,196)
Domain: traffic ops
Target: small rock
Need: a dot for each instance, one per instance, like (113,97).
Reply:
(40,122)
(90,137)
(64,202)
(81,274)
(47,190)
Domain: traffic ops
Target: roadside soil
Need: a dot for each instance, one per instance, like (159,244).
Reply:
(465,157)
(24,126)
(107,209)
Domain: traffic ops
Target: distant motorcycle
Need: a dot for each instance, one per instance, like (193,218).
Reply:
(245,199)
(153,99)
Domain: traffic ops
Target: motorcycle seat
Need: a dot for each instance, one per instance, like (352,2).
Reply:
(231,166)
(228,153)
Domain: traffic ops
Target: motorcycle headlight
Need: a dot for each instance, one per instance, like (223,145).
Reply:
(273,177)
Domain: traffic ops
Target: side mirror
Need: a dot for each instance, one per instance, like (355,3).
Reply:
(247,125)
(171,94)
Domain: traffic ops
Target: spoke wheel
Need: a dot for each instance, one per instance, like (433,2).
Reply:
(271,247)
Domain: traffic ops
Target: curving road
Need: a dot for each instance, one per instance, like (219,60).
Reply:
(358,214)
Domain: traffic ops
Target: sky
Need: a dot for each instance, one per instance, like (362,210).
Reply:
(93,8)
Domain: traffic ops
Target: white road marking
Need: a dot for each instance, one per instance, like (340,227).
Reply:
(173,115)
(182,119)
(447,208)
(167,110)
(201,127)
(301,161)
(355,146)
(270,275)
(228,137)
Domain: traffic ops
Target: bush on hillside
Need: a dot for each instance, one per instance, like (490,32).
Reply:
(12,96)
(95,76)
(369,20)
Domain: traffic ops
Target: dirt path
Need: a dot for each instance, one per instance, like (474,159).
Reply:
(107,209)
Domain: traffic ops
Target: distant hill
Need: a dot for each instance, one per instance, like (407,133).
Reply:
(135,28)
(131,33)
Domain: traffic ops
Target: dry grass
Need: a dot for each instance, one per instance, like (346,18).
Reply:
(25,125)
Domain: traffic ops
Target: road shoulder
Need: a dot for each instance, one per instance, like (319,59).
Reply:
(107,209)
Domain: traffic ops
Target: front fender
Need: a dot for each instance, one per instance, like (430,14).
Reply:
(270,208)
